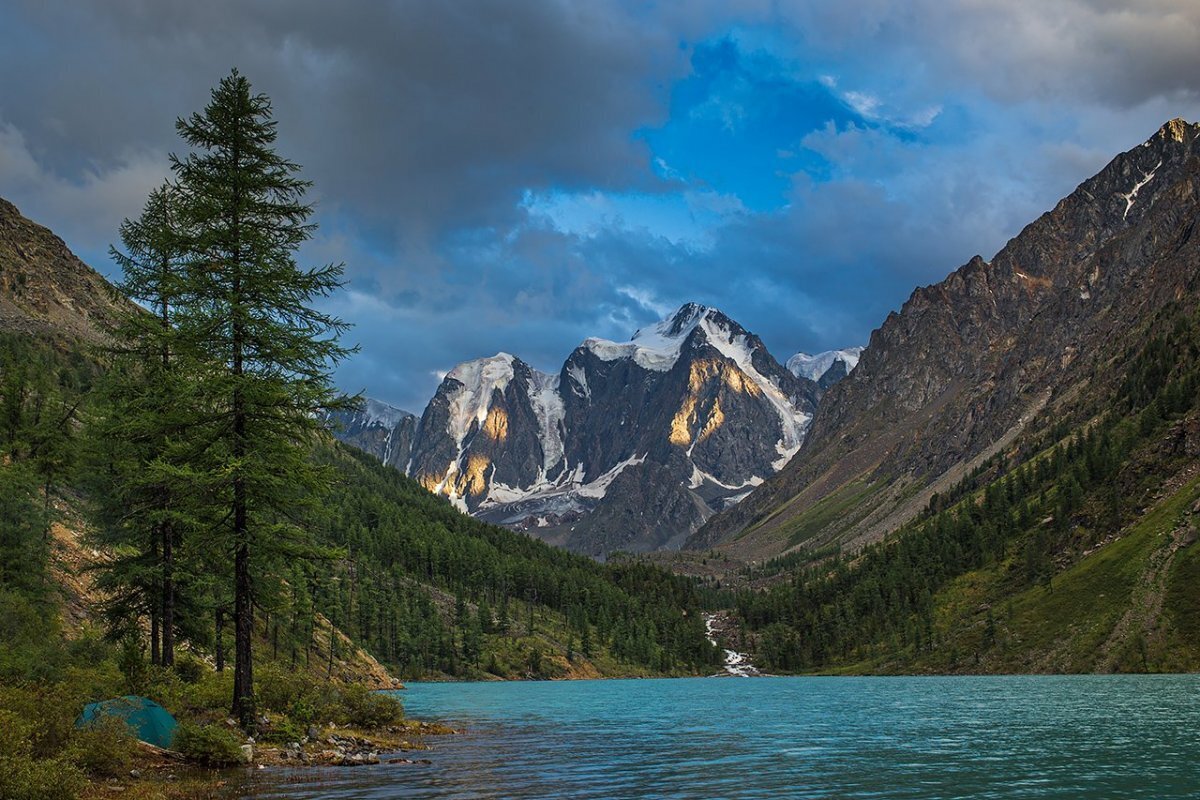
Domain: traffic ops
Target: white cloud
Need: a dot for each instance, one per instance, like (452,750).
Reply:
(646,299)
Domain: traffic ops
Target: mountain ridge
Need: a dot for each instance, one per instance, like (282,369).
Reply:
(967,362)
(692,410)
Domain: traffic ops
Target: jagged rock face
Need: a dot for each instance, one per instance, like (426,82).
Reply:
(494,426)
(970,359)
(631,446)
(44,288)
(384,431)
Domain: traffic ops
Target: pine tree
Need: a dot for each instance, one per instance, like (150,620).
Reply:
(142,476)
(266,350)
(24,551)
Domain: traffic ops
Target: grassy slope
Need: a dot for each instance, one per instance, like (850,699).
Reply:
(1110,611)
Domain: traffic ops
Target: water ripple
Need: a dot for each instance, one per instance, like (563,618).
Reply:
(982,738)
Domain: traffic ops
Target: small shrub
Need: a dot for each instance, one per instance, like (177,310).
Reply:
(210,693)
(89,648)
(24,777)
(282,732)
(208,744)
(367,709)
(104,748)
(277,689)
(303,711)
(189,668)
(52,707)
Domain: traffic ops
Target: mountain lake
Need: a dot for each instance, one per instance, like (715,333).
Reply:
(1110,736)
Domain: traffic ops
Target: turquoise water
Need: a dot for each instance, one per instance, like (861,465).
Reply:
(953,737)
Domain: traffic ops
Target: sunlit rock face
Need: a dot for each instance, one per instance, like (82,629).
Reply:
(494,424)
(631,446)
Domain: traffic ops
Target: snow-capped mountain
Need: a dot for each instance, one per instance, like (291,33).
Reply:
(492,431)
(632,446)
(384,431)
(825,368)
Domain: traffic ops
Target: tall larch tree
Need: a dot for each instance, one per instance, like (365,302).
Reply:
(268,350)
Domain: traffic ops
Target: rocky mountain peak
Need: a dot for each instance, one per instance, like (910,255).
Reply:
(631,446)
(684,319)
(376,412)
(826,368)
(1177,130)
(484,374)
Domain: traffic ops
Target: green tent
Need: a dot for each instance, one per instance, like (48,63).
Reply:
(149,721)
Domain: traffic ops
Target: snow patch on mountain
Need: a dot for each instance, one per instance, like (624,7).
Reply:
(598,488)
(657,347)
(1131,197)
(570,492)
(578,377)
(813,367)
(700,477)
(549,409)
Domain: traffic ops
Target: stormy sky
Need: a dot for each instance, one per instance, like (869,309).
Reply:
(520,175)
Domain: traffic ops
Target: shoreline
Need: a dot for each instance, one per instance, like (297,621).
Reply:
(159,773)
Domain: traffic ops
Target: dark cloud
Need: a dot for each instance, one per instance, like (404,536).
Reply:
(905,137)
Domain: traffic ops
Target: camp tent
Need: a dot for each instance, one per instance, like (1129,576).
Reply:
(149,721)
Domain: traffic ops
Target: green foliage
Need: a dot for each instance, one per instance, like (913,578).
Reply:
(133,666)
(40,391)
(364,708)
(283,732)
(190,669)
(264,351)
(25,776)
(283,691)
(208,744)
(30,647)
(24,546)
(105,748)
(51,708)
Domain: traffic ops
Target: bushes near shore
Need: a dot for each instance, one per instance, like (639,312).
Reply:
(46,679)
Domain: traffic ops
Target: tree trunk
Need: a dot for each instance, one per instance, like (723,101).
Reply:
(243,617)
(220,641)
(168,596)
(155,607)
(154,657)
(168,533)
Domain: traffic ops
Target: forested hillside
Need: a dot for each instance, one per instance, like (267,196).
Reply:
(425,588)
(431,590)
(1072,551)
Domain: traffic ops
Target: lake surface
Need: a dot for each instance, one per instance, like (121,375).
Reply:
(953,737)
